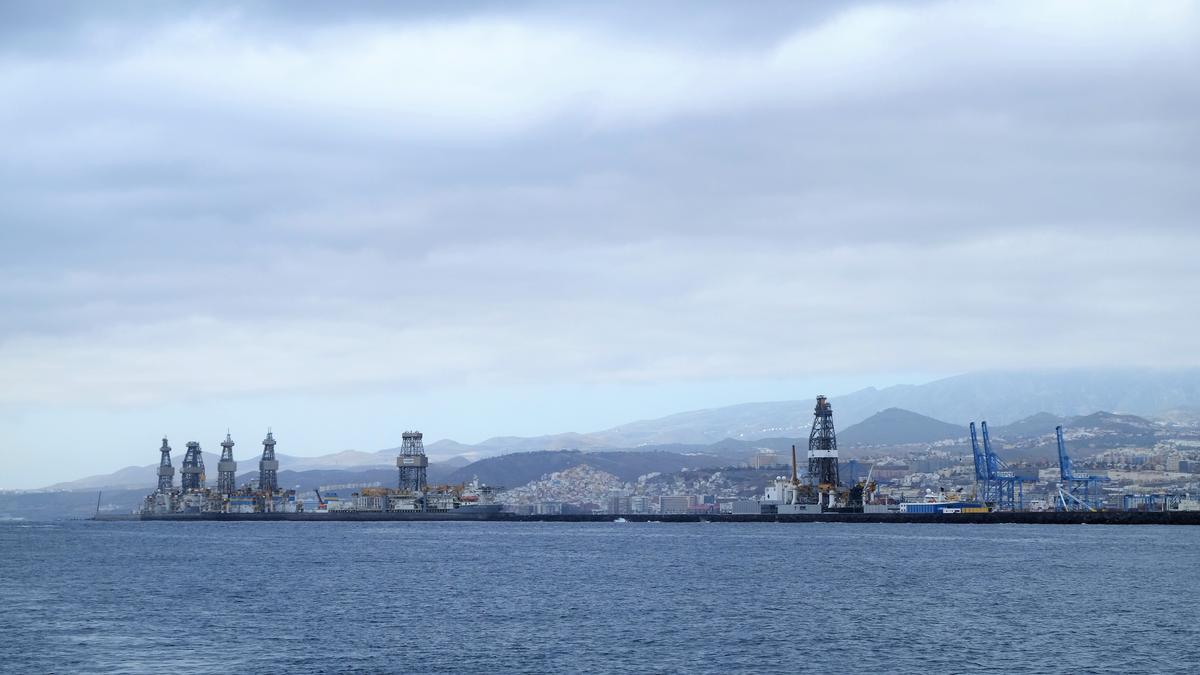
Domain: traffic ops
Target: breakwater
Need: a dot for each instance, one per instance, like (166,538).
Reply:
(1017,517)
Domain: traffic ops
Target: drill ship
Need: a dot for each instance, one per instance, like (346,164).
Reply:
(412,499)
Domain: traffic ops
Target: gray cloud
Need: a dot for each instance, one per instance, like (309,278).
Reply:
(247,199)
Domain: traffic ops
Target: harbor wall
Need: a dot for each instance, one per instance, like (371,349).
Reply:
(1019,517)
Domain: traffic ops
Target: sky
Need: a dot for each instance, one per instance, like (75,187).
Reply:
(344,220)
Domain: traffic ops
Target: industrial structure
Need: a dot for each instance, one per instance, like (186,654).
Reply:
(268,466)
(166,472)
(1007,490)
(790,495)
(413,495)
(981,475)
(821,488)
(412,464)
(823,454)
(995,484)
(227,468)
(192,471)
(1076,493)
(194,497)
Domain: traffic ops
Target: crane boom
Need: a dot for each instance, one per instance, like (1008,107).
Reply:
(1064,460)
(980,462)
(993,461)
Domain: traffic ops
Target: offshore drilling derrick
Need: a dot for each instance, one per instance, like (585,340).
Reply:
(268,466)
(823,453)
(166,472)
(195,498)
(193,469)
(227,468)
(412,463)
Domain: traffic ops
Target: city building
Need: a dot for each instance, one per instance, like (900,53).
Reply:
(619,504)
(764,458)
(888,472)
(675,503)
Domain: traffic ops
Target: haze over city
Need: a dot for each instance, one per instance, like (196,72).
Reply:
(486,219)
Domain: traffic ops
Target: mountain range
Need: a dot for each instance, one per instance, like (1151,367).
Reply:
(1016,404)
(999,397)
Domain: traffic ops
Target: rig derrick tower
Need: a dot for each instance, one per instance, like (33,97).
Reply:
(268,466)
(192,471)
(227,468)
(166,472)
(412,463)
(823,452)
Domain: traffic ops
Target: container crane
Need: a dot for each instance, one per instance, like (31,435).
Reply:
(1007,489)
(982,485)
(1075,493)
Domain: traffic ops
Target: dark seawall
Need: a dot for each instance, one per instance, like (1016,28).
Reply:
(1022,517)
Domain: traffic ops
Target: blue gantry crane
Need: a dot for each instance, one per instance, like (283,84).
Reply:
(995,483)
(1008,488)
(1076,493)
(981,477)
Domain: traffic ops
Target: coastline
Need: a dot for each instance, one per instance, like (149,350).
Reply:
(1018,517)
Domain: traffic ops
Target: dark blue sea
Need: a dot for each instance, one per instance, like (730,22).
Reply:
(597,597)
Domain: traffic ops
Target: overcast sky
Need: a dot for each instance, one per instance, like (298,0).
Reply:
(347,219)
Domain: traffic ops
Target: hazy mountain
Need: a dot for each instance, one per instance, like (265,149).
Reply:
(442,448)
(1037,424)
(130,477)
(452,463)
(1011,402)
(1117,423)
(146,477)
(75,504)
(999,397)
(344,459)
(1034,438)
(519,468)
(1187,416)
(1005,397)
(746,421)
(896,426)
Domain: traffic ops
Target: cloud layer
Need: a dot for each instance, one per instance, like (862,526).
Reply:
(197,202)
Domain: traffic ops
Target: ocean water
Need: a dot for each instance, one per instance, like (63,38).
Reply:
(596,597)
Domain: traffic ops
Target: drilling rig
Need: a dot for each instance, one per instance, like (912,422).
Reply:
(268,466)
(193,469)
(227,468)
(823,454)
(166,472)
(412,464)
